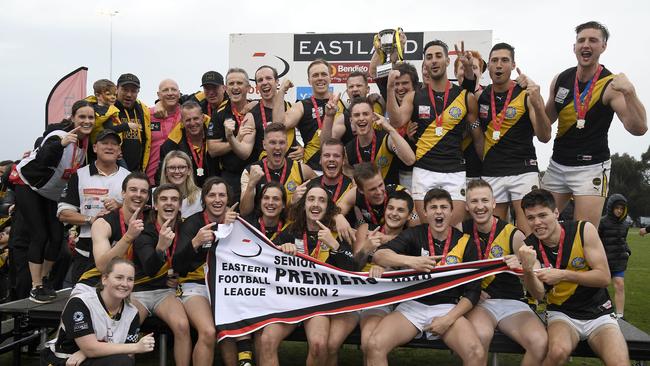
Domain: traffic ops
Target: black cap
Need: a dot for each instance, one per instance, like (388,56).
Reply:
(107,132)
(125,79)
(212,78)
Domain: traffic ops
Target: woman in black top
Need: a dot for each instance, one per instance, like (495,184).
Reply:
(100,328)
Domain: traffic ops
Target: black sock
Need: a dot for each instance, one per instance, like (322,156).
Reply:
(244,349)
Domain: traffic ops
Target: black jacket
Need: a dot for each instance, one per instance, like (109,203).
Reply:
(613,233)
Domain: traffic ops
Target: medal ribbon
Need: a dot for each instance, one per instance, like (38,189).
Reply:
(373,217)
(432,249)
(318,119)
(444,103)
(267,173)
(198,158)
(558,261)
(477,240)
(172,249)
(306,246)
(337,192)
(581,104)
(372,152)
(497,120)
(263,227)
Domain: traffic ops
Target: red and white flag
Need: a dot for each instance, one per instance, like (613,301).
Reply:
(66,91)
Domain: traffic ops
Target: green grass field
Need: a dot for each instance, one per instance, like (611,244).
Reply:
(637,287)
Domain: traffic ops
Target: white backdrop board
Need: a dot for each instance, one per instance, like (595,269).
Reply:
(291,53)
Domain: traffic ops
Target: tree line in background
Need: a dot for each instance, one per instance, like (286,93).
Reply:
(631,178)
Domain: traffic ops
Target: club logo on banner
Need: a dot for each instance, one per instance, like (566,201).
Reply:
(252,283)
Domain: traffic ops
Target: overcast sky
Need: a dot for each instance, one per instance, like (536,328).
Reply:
(40,41)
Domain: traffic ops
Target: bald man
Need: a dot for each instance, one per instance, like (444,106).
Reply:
(168,97)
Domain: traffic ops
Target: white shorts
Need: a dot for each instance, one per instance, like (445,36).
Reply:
(191,289)
(420,315)
(588,180)
(406,179)
(503,308)
(584,328)
(378,311)
(424,180)
(512,187)
(152,299)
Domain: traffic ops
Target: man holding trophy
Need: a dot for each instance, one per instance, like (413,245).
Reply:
(389,49)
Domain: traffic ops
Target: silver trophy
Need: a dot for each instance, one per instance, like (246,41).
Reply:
(388,42)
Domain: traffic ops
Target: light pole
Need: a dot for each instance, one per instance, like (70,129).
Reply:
(111,14)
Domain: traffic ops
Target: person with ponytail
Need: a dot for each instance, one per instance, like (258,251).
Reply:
(39,180)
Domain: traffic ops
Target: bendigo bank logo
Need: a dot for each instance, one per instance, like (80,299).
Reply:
(340,71)
(348,46)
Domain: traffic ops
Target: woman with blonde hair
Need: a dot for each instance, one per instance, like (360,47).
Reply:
(177,170)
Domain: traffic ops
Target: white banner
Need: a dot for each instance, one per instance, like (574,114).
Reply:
(252,284)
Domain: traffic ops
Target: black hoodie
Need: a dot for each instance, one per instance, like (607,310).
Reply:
(613,233)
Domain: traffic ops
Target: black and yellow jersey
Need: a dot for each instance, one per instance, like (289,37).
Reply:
(310,131)
(513,153)
(290,176)
(373,214)
(414,241)
(177,140)
(187,262)
(581,146)
(229,162)
(440,153)
(384,157)
(342,258)
(576,301)
(261,121)
(503,285)
(151,266)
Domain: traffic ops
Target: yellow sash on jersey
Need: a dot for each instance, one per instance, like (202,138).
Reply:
(563,290)
(451,116)
(384,157)
(293,180)
(568,115)
(517,105)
